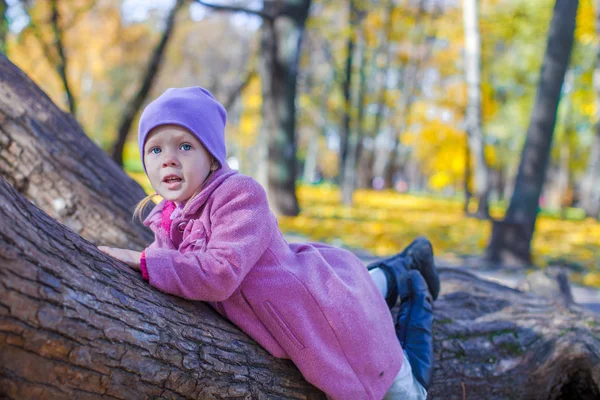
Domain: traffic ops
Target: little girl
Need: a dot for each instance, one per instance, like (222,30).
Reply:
(217,241)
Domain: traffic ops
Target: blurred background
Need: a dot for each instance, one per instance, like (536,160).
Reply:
(369,122)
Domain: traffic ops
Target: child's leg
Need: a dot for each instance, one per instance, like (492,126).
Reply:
(380,280)
(414,325)
(405,386)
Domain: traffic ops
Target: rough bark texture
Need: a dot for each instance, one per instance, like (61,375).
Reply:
(46,156)
(493,342)
(514,243)
(75,324)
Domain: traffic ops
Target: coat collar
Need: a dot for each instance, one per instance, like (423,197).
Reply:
(213,181)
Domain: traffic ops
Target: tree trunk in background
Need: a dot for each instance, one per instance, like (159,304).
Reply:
(590,185)
(467,188)
(364,174)
(473,120)
(77,324)
(511,238)
(281,45)
(381,106)
(3,27)
(564,175)
(349,176)
(311,172)
(61,66)
(346,127)
(134,105)
(46,156)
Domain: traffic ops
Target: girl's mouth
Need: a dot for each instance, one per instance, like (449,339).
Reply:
(173,182)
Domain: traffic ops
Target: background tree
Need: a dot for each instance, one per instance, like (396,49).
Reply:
(511,238)
(590,185)
(281,44)
(3,26)
(473,120)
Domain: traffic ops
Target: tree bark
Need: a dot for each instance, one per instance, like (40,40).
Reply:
(493,342)
(76,324)
(511,239)
(473,120)
(133,107)
(46,156)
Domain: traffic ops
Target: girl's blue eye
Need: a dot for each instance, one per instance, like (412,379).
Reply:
(155,150)
(186,146)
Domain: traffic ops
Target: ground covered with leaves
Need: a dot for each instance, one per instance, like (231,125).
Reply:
(383,222)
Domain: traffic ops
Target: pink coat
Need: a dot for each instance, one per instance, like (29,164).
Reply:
(312,303)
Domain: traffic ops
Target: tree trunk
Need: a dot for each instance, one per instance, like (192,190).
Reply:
(349,177)
(346,126)
(61,66)
(46,156)
(473,120)
(77,324)
(3,27)
(309,174)
(364,174)
(467,188)
(133,107)
(590,185)
(511,239)
(280,52)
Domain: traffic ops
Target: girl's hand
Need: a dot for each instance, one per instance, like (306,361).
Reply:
(129,257)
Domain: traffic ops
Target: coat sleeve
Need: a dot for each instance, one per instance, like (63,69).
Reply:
(242,226)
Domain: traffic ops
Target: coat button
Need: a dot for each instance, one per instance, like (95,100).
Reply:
(181,226)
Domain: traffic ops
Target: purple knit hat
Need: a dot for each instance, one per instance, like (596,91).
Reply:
(193,108)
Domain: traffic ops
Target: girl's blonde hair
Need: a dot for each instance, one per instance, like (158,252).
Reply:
(139,208)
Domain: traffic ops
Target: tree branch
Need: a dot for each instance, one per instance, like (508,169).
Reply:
(61,66)
(221,7)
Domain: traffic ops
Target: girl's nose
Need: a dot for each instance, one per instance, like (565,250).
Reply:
(170,160)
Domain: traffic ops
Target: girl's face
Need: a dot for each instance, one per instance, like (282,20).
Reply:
(176,162)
